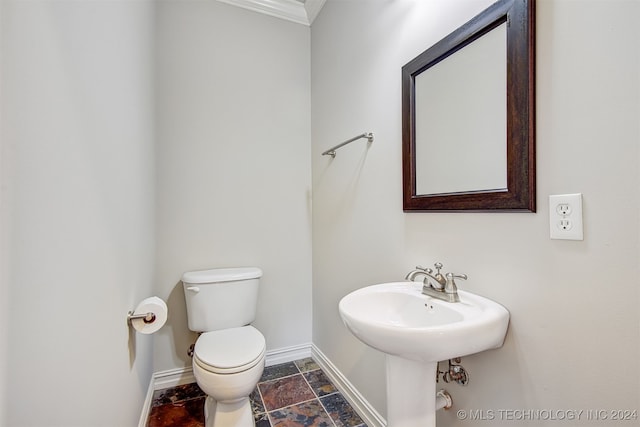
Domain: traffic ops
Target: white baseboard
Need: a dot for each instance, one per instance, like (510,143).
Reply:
(367,412)
(180,376)
(146,406)
(288,354)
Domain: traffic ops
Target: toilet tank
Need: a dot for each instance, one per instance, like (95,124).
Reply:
(221,298)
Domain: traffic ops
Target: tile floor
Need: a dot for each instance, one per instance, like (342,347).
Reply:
(288,395)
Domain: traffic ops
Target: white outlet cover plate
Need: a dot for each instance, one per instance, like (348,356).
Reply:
(566,226)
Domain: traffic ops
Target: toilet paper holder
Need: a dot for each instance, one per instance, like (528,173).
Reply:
(146,317)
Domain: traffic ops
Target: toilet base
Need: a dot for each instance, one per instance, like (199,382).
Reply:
(228,414)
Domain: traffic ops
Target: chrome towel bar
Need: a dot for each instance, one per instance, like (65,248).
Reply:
(332,151)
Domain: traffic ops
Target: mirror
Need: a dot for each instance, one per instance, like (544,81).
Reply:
(468,116)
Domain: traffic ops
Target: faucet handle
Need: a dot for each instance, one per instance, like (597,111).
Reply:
(428,270)
(439,278)
(450,287)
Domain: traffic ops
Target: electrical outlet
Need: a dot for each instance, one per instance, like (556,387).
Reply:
(565,216)
(563,209)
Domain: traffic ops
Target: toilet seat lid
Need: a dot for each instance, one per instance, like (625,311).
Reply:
(230,350)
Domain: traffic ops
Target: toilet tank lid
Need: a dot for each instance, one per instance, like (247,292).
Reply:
(222,275)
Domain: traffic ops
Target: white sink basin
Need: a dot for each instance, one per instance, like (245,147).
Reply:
(397,319)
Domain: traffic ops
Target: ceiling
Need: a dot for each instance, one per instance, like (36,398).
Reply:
(299,11)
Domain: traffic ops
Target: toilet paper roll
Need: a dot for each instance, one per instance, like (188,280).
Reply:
(153,305)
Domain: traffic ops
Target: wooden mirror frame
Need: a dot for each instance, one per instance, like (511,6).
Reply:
(520,195)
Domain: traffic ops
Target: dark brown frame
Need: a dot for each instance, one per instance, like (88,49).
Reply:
(520,194)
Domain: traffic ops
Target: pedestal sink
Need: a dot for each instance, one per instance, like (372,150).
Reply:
(416,331)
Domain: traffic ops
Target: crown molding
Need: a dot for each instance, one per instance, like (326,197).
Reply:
(291,10)
(313,8)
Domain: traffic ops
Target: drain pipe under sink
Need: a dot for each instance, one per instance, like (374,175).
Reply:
(443,400)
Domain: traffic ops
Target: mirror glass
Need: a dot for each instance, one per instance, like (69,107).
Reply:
(468,116)
(461,119)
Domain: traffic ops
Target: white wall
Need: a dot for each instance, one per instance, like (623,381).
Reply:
(77,209)
(233,154)
(573,305)
(4,245)
(133,134)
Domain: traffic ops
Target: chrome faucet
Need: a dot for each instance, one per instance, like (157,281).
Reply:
(440,286)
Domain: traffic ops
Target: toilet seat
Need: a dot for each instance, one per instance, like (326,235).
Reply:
(229,351)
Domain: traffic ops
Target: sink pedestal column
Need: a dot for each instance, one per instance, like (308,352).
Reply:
(411,393)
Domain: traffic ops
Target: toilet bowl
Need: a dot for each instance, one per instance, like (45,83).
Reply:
(227,365)
(229,354)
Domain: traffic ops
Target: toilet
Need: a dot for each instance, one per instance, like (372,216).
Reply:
(229,354)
